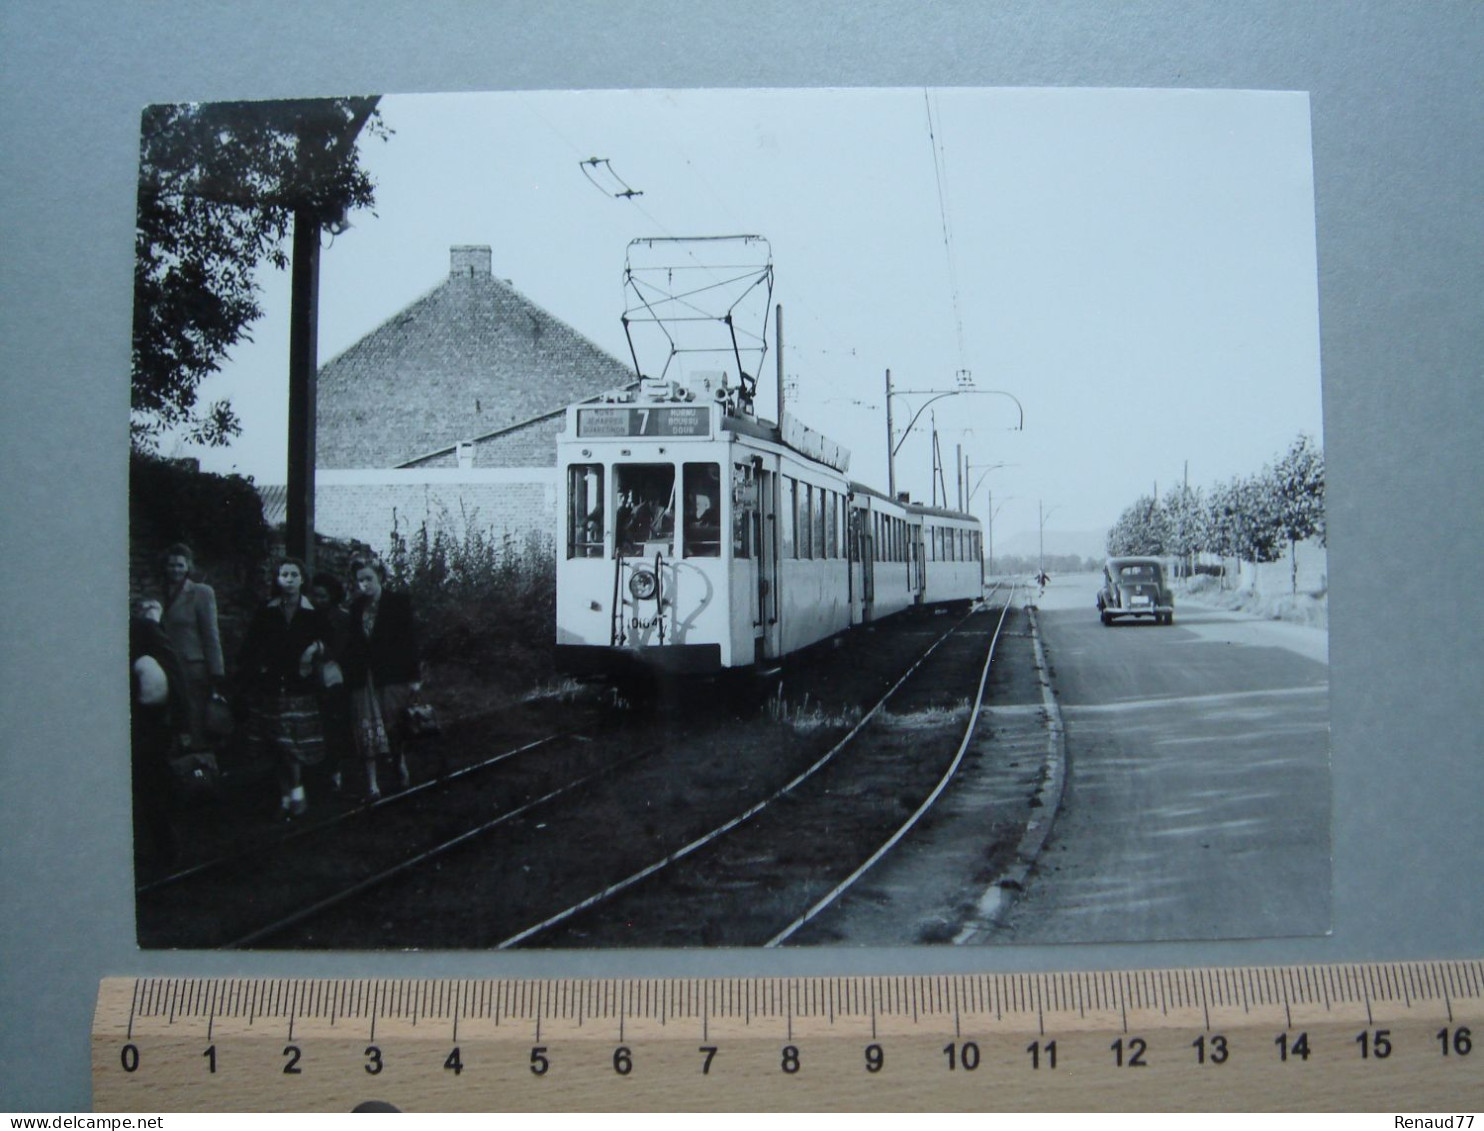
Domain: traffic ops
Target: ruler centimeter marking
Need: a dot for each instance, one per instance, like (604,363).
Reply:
(1398,1036)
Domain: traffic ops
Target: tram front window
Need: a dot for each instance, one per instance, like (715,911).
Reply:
(645,522)
(702,510)
(585,510)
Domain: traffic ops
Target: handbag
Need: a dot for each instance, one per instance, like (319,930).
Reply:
(219,722)
(151,685)
(196,774)
(420,719)
(330,674)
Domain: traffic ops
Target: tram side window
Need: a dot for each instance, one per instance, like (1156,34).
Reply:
(805,526)
(702,494)
(786,518)
(645,522)
(585,510)
(819,521)
(832,528)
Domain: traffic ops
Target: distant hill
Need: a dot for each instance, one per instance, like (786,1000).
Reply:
(1026,543)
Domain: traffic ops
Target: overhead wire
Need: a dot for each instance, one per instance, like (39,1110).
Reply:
(939,161)
(590,164)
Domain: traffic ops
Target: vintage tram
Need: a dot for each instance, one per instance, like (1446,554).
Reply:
(695,537)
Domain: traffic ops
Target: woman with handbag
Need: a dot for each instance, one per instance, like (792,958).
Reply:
(158,724)
(281,656)
(382,670)
(328,596)
(191,623)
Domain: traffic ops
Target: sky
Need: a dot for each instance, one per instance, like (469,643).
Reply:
(1133,270)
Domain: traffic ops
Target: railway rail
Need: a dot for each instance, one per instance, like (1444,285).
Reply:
(866,740)
(494,843)
(568,762)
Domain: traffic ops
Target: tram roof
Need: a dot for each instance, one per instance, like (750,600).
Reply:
(913,508)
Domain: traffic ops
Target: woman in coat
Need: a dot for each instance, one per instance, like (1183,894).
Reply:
(190,623)
(159,718)
(382,670)
(284,645)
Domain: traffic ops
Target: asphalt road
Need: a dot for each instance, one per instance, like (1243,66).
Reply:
(1197,803)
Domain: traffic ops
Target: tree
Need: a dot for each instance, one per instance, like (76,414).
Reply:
(1184,514)
(1297,485)
(1242,520)
(219,184)
(1140,530)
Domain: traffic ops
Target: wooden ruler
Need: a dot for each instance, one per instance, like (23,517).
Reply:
(1396,1037)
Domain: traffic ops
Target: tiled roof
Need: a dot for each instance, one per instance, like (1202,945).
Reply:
(275,498)
(470,358)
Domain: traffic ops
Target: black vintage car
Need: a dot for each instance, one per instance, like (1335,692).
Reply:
(1135,587)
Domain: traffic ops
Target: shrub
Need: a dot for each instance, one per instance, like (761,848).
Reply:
(483,602)
(219,516)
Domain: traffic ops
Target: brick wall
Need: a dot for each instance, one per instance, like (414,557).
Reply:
(533,445)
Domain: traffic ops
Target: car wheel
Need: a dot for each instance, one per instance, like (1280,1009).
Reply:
(1104,617)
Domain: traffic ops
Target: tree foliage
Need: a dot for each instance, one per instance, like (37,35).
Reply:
(1252,517)
(1141,530)
(1297,484)
(219,184)
(1243,520)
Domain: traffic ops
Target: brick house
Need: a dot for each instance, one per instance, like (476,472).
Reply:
(448,412)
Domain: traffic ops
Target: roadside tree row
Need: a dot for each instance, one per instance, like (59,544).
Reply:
(1253,518)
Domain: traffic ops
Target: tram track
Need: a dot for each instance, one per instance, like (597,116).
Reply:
(280,878)
(510,877)
(759,857)
(319,825)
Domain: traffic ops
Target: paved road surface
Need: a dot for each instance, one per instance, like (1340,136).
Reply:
(1198,795)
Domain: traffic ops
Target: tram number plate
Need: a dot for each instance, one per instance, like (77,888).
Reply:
(695,421)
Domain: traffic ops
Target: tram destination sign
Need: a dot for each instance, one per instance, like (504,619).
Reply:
(691,420)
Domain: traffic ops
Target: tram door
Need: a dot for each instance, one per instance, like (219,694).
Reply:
(766,628)
(862,550)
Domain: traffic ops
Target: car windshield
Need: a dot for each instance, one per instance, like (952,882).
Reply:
(1139,571)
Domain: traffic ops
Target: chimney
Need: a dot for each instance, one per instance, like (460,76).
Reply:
(468,259)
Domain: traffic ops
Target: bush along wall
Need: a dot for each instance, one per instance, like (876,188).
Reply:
(484,602)
(220,517)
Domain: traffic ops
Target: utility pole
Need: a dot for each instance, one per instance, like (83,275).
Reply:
(891,455)
(958,472)
(309,219)
(989,509)
(303,380)
(778,315)
(938,465)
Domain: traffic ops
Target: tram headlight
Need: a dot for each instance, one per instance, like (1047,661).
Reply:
(643,584)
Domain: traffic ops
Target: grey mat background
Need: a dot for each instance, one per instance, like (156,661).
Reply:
(1398,122)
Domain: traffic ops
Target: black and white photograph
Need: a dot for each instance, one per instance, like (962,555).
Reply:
(728,518)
